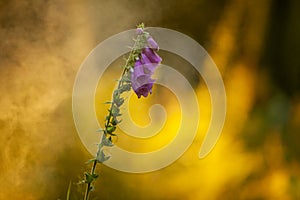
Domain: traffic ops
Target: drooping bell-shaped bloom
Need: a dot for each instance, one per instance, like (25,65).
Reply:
(141,80)
(144,68)
(151,55)
(152,44)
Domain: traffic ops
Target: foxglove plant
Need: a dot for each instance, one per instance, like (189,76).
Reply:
(137,74)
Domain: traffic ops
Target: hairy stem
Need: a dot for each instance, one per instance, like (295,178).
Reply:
(129,60)
(88,186)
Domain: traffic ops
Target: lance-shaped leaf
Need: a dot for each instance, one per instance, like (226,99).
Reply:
(116,94)
(106,142)
(126,78)
(110,129)
(119,101)
(115,111)
(90,177)
(101,157)
(125,88)
(90,161)
(115,122)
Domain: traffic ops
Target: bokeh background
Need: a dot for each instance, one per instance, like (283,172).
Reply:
(256,47)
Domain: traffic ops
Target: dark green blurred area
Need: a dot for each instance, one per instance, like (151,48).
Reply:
(44,43)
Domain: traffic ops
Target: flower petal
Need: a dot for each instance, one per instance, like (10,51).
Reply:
(152,44)
(144,90)
(151,55)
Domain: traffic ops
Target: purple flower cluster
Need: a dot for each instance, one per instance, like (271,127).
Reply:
(144,68)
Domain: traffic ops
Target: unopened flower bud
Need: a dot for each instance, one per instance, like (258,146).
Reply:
(139,31)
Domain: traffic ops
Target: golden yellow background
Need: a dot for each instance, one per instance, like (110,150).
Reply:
(255,44)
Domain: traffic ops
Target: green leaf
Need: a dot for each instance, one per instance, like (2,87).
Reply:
(95,176)
(115,111)
(125,87)
(90,177)
(114,121)
(116,94)
(126,78)
(101,157)
(119,101)
(110,129)
(106,142)
(141,25)
(112,134)
(90,161)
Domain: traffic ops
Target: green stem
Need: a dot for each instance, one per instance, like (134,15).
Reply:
(88,187)
(133,51)
(108,120)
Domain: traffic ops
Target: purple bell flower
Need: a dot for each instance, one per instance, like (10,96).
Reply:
(144,68)
(151,55)
(141,80)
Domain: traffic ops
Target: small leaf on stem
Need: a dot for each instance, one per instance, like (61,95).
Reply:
(90,177)
(101,157)
(106,142)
